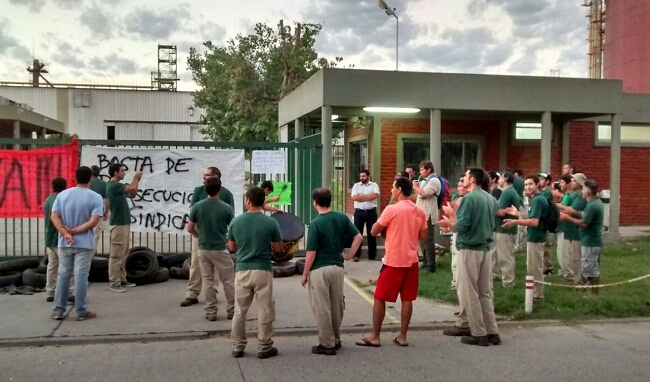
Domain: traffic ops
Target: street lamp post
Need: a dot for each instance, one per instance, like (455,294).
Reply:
(391,12)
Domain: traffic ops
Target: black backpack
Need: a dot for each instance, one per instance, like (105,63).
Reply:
(551,218)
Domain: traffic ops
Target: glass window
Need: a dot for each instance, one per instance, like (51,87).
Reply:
(358,160)
(456,156)
(629,133)
(528,131)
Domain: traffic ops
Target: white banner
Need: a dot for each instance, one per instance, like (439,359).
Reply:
(268,162)
(169,177)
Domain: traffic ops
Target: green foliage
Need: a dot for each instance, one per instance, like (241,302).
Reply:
(242,82)
(620,262)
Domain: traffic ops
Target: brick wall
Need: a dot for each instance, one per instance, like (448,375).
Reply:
(594,161)
(527,156)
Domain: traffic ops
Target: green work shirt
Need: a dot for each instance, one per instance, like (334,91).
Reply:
(455,196)
(538,208)
(592,234)
(51,234)
(99,186)
(254,233)
(578,203)
(565,201)
(325,233)
(119,206)
(224,195)
(212,217)
(518,184)
(548,194)
(509,197)
(475,222)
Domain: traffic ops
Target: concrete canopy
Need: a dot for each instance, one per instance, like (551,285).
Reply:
(346,92)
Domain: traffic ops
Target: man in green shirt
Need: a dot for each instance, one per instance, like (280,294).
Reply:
(120,221)
(505,237)
(208,221)
(323,273)
(253,235)
(575,203)
(99,186)
(193,289)
(536,236)
(545,183)
(590,221)
(474,221)
(52,242)
(562,193)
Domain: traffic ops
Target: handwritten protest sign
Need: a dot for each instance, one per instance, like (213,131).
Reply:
(268,162)
(282,189)
(162,203)
(26,177)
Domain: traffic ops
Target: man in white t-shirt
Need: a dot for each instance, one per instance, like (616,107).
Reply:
(365,194)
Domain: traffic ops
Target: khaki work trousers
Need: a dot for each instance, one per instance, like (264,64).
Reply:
(454,262)
(496,272)
(326,298)
(119,250)
(548,260)
(53,272)
(255,284)
(475,293)
(575,260)
(217,266)
(535,266)
(506,256)
(194,283)
(563,256)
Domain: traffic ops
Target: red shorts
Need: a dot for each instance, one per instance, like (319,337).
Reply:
(393,281)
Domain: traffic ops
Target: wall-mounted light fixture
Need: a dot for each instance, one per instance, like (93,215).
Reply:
(191,110)
(378,109)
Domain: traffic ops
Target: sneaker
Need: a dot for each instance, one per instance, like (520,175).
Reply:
(494,339)
(127,284)
(211,317)
(472,340)
(320,349)
(117,288)
(237,353)
(87,316)
(456,331)
(189,301)
(49,298)
(57,316)
(268,354)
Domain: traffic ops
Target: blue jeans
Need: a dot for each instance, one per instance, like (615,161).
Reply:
(77,259)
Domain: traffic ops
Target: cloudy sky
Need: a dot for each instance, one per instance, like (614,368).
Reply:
(115,41)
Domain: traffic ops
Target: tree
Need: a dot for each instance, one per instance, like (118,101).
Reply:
(242,82)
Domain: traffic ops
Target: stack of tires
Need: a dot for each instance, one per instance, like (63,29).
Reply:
(12,271)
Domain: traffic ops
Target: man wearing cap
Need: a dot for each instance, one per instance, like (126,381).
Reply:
(576,203)
(545,182)
(505,237)
(590,221)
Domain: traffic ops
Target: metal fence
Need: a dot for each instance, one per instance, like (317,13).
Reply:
(25,236)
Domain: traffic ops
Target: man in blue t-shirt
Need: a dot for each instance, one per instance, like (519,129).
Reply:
(75,213)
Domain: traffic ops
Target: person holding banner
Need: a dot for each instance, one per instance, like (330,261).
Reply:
(194,283)
(99,186)
(212,216)
(252,235)
(267,186)
(120,221)
(51,242)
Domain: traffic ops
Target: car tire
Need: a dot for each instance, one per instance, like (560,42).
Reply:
(19,264)
(162,276)
(7,278)
(34,279)
(300,266)
(173,260)
(284,269)
(178,273)
(141,267)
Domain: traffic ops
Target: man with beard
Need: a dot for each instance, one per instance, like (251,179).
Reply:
(365,194)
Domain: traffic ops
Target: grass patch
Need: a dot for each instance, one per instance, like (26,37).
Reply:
(620,262)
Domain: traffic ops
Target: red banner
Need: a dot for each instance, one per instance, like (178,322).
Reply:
(26,177)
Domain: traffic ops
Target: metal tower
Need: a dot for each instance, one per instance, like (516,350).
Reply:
(166,78)
(596,37)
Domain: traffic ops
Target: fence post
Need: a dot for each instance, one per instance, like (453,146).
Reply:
(528,305)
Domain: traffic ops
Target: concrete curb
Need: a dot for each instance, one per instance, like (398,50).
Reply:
(296,331)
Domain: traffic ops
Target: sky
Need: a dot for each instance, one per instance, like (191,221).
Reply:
(115,41)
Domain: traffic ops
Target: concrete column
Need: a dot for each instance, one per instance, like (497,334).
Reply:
(16,134)
(375,155)
(283,133)
(503,145)
(565,142)
(326,140)
(435,139)
(547,138)
(298,132)
(299,128)
(615,178)
(43,133)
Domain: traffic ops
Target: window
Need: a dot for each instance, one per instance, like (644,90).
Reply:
(526,131)
(639,134)
(110,133)
(358,160)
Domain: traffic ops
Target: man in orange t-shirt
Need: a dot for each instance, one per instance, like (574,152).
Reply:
(403,224)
